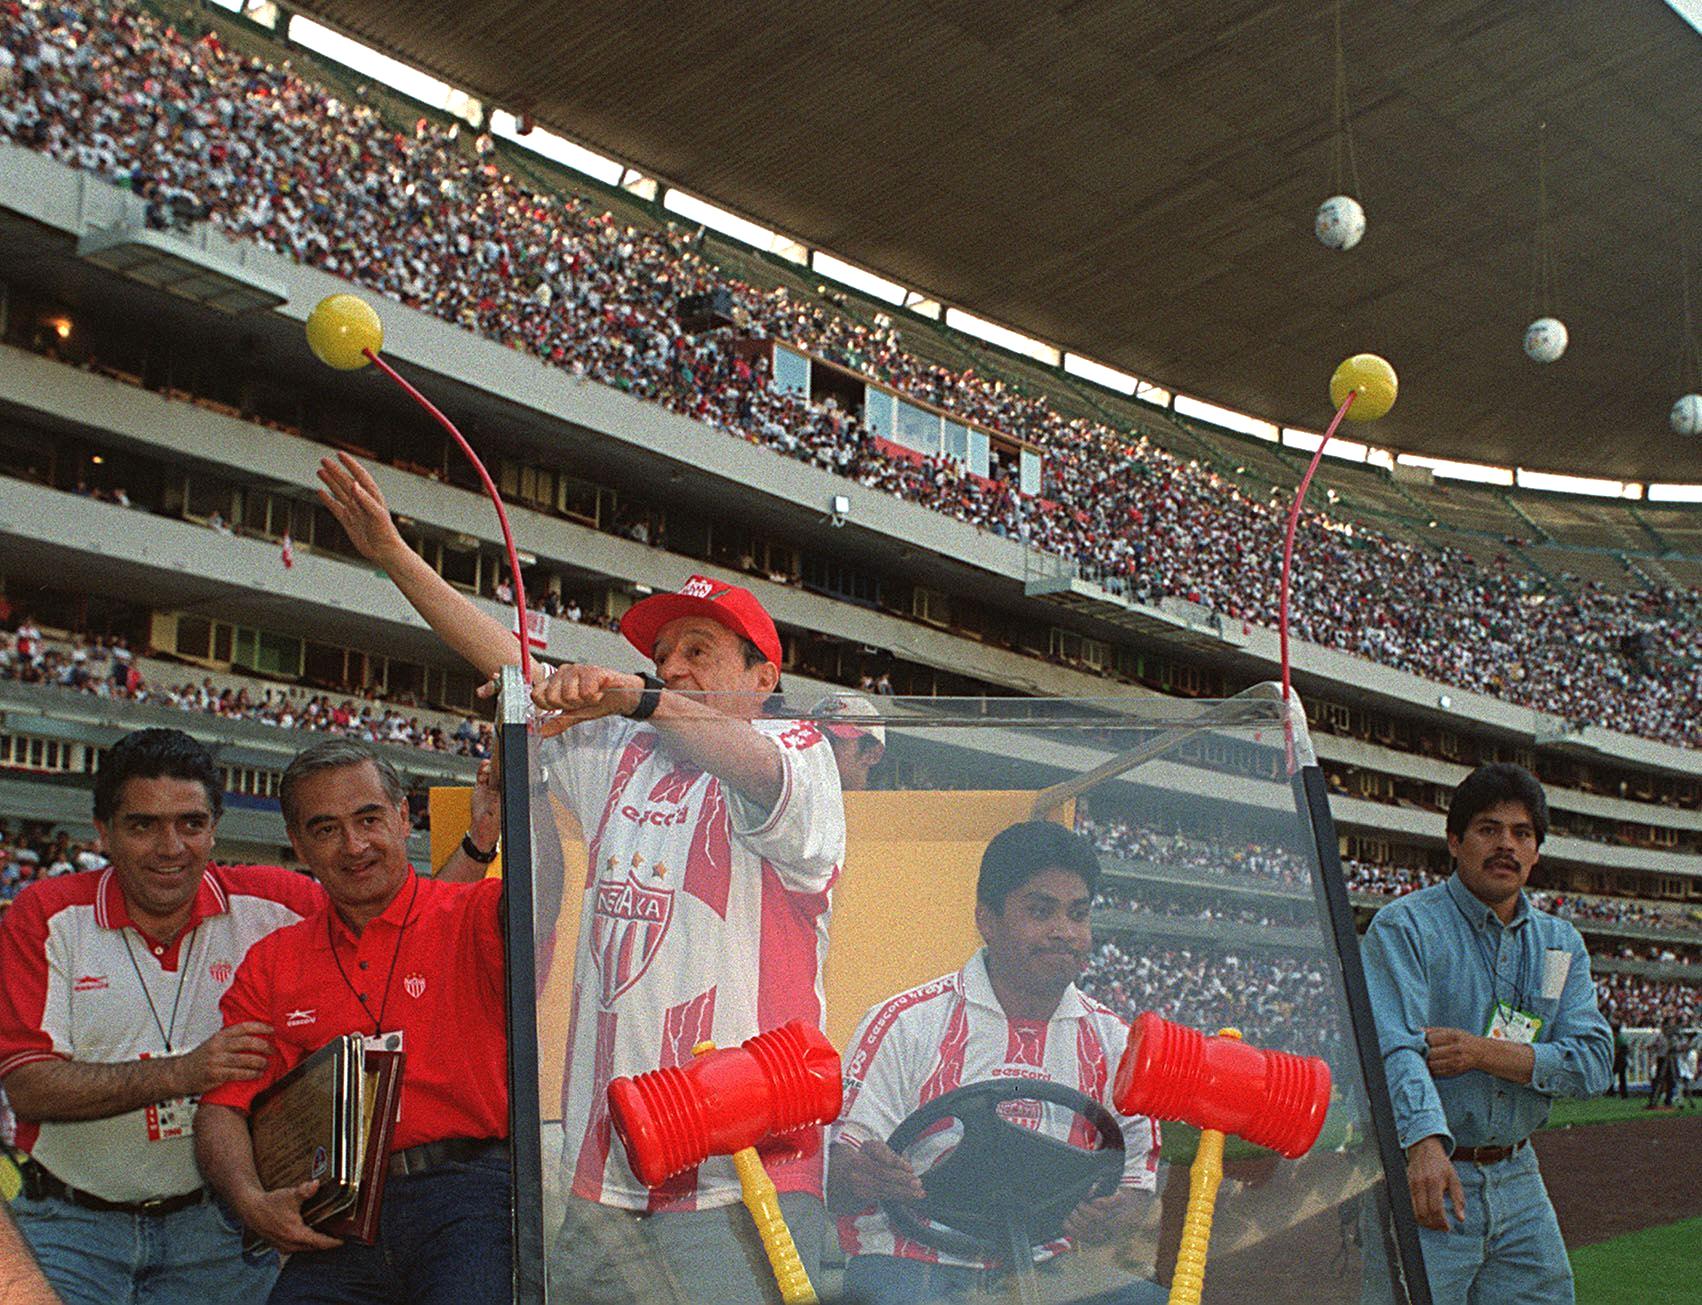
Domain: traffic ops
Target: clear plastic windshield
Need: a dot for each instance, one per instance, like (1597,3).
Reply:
(937,920)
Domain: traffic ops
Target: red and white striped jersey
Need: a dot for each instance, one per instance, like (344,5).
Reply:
(78,980)
(951,1032)
(703,918)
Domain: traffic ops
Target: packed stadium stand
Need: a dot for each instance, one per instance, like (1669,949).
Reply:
(923,513)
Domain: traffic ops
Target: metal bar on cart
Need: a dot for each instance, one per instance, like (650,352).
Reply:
(1250,705)
(526,1178)
(1311,797)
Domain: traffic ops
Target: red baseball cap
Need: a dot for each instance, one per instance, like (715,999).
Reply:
(729,605)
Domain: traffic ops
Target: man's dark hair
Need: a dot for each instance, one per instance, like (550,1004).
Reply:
(155,754)
(1019,853)
(1491,785)
(334,754)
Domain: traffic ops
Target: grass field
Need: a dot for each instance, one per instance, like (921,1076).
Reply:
(1603,1110)
(1180,1140)
(1640,1268)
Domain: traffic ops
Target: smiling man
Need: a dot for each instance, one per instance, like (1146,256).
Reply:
(1012,1012)
(390,952)
(1486,1012)
(110,1032)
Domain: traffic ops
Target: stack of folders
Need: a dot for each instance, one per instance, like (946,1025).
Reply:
(330,1119)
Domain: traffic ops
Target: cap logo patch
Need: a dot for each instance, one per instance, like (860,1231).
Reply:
(701,586)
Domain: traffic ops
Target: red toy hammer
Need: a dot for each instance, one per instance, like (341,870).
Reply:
(724,1103)
(1220,1085)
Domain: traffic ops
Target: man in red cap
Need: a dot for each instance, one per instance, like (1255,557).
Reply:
(715,836)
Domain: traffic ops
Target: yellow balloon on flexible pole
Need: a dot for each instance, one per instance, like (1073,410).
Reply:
(1363,388)
(344,331)
(1372,383)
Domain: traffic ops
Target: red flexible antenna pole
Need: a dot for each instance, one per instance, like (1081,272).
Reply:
(523,631)
(1288,541)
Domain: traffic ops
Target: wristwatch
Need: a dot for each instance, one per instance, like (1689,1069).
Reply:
(646,705)
(472,850)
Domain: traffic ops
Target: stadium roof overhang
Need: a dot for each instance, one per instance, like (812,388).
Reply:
(1137,182)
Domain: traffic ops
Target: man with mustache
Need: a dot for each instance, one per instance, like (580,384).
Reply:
(1012,1012)
(1486,1012)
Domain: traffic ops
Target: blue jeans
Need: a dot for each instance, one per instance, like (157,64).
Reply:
(443,1239)
(895,1280)
(102,1257)
(1509,1250)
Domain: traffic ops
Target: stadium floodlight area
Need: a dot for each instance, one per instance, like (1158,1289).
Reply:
(1451,469)
(421,86)
(1594,486)
(618,892)
(1660,493)
(876,287)
(1004,337)
(1228,418)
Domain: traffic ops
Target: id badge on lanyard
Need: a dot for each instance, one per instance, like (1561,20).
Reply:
(1508,1024)
(174,1117)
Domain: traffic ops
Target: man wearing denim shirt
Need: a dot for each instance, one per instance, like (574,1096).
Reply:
(1485,1011)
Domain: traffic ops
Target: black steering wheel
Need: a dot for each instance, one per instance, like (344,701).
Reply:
(1003,1185)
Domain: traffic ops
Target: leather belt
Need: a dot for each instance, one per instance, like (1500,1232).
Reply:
(1488,1155)
(451,1150)
(40,1184)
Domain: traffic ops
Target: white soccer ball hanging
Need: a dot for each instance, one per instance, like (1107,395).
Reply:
(1545,339)
(1687,415)
(1340,223)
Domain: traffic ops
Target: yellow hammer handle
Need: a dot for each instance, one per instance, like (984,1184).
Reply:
(1189,1279)
(764,1205)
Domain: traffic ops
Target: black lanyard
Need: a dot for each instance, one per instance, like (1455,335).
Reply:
(1478,929)
(166,1030)
(395,953)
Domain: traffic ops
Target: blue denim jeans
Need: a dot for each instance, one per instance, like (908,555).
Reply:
(895,1280)
(1509,1250)
(443,1239)
(102,1257)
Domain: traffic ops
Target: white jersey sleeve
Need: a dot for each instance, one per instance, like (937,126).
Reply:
(803,837)
(1140,1134)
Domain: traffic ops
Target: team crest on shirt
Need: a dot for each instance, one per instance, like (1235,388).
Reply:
(221,971)
(627,929)
(1024,1112)
(414,985)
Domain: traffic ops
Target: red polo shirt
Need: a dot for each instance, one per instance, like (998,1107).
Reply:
(430,965)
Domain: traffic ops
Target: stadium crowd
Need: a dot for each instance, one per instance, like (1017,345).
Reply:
(1118,840)
(36,851)
(199,132)
(109,670)
(1641,1002)
(1275,999)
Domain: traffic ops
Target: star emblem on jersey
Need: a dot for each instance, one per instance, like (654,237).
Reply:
(627,929)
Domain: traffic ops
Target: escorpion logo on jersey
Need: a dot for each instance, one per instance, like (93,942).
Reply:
(627,929)
(1025,1112)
